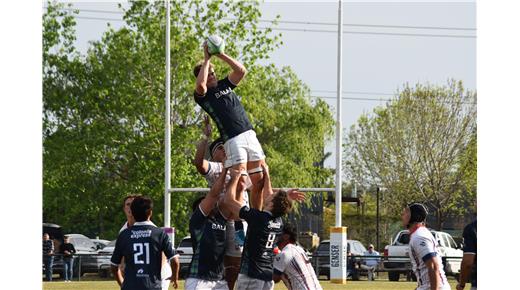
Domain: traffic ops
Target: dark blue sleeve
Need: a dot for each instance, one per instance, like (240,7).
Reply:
(470,239)
(166,244)
(228,83)
(117,255)
(429,256)
(197,219)
(250,215)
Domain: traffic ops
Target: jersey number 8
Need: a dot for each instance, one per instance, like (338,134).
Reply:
(270,240)
(138,251)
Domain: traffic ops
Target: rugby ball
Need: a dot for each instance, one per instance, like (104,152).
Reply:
(216,44)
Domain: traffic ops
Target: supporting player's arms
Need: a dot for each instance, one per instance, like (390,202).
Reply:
(433,272)
(239,70)
(200,163)
(208,203)
(117,274)
(230,198)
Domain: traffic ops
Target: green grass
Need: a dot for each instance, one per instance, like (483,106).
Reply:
(354,285)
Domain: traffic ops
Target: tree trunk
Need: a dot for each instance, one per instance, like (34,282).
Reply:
(440,218)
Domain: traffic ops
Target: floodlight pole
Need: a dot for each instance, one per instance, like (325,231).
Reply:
(167,131)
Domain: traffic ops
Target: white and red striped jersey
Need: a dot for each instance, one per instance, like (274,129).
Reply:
(423,247)
(294,263)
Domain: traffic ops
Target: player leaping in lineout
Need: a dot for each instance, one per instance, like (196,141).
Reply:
(216,97)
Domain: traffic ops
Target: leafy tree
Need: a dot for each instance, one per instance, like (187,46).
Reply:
(103,112)
(415,147)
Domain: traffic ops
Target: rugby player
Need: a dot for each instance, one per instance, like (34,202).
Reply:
(424,250)
(292,264)
(142,246)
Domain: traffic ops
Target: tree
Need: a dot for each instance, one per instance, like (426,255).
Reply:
(414,147)
(103,124)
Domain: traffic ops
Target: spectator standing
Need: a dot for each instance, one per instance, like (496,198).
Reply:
(68,250)
(370,263)
(48,258)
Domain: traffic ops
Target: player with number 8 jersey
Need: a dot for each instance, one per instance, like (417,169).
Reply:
(265,226)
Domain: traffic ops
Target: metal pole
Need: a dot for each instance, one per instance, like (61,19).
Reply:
(167,132)
(338,118)
(377,218)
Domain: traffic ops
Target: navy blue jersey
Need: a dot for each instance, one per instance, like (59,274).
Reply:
(142,246)
(208,237)
(224,107)
(262,235)
(470,246)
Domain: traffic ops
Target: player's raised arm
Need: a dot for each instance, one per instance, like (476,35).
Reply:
(239,70)
(230,198)
(202,78)
(207,204)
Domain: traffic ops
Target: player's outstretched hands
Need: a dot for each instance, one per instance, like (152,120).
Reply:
(296,195)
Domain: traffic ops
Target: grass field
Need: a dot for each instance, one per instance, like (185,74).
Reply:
(354,285)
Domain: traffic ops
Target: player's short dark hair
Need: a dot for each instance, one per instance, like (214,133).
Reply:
(290,230)
(128,197)
(141,208)
(196,203)
(281,204)
(197,68)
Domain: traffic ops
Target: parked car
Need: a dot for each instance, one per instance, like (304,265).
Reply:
(104,259)
(321,259)
(185,251)
(397,262)
(100,244)
(86,259)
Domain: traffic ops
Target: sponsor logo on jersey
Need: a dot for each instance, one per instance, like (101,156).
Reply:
(221,93)
(218,227)
(140,273)
(274,225)
(141,234)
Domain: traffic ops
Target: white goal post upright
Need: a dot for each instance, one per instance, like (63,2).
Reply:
(338,233)
(167,131)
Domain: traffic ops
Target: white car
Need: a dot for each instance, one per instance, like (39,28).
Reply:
(185,251)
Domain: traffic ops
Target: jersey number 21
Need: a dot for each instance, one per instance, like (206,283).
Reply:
(141,249)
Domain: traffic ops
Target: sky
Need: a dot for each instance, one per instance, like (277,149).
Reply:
(374,65)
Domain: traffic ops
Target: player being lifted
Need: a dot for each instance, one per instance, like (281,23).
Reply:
(142,246)
(256,271)
(217,98)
